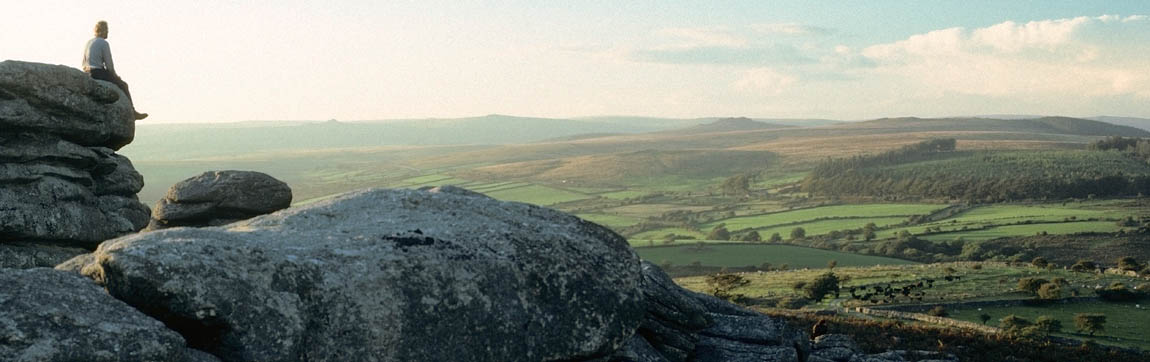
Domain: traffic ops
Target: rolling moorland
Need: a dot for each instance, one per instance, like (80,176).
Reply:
(773,202)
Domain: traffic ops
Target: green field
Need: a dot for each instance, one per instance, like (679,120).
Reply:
(980,281)
(643,238)
(1127,324)
(623,194)
(825,212)
(610,221)
(740,255)
(537,194)
(995,221)
(1029,229)
(826,226)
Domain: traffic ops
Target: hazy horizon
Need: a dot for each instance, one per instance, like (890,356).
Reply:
(219,61)
(593,118)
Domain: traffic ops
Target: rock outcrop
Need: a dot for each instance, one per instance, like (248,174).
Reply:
(30,255)
(48,315)
(217,198)
(65,102)
(387,275)
(840,348)
(61,182)
(681,325)
(834,347)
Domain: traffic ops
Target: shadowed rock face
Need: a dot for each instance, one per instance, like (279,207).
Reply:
(387,275)
(217,198)
(25,255)
(681,325)
(61,182)
(48,315)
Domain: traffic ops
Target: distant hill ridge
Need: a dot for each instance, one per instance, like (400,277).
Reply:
(187,141)
(1141,123)
(1056,125)
(729,125)
(624,167)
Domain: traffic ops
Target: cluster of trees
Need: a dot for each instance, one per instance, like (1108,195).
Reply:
(820,287)
(737,185)
(1045,325)
(1042,288)
(976,187)
(1017,326)
(969,176)
(1135,147)
(720,232)
(723,285)
(921,151)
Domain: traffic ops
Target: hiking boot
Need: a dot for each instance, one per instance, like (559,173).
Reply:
(140,116)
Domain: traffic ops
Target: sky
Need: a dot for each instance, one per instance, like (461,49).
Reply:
(218,61)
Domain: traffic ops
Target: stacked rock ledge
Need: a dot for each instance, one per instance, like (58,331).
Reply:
(61,181)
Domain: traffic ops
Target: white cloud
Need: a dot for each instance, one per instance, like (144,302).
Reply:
(722,46)
(1045,59)
(702,37)
(765,81)
(789,29)
(1011,37)
(936,43)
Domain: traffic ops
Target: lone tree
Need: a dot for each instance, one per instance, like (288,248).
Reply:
(775,238)
(737,185)
(1048,324)
(798,233)
(1050,291)
(1013,324)
(1031,284)
(905,235)
(722,285)
(821,286)
(938,311)
(869,231)
(1090,322)
(1083,266)
(1039,262)
(984,318)
(752,236)
(719,233)
(1129,263)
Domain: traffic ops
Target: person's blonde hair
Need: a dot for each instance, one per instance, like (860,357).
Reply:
(101,28)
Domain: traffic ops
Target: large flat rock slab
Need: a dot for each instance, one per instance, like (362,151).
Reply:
(387,275)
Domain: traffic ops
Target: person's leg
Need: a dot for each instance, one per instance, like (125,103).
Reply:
(123,85)
(105,75)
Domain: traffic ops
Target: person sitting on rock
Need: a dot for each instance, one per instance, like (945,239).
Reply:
(98,62)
